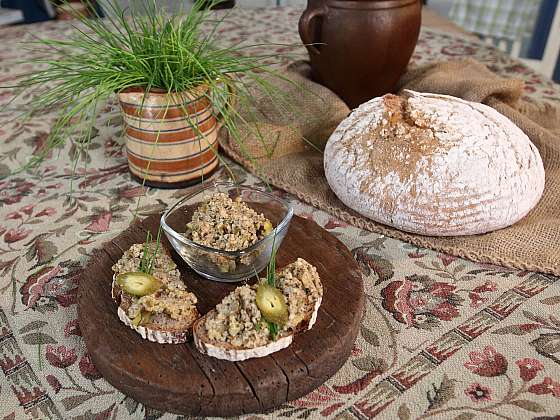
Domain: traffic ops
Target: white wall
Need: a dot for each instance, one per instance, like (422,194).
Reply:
(441,6)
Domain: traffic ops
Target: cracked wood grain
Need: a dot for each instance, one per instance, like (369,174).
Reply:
(177,378)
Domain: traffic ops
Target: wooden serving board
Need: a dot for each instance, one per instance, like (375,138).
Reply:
(179,379)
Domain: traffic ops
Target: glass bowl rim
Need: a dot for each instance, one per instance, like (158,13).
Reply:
(179,237)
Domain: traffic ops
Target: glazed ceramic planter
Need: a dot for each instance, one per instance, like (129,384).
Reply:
(171,139)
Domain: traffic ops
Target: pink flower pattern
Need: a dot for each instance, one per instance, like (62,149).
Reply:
(100,223)
(27,209)
(547,386)
(487,363)
(478,393)
(421,302)
(529,368)
(88,369)
(47,211)
(54,383)
(34,287)
(17,234)
(61,356)
(13,215)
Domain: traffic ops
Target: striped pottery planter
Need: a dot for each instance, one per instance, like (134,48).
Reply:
(171,139)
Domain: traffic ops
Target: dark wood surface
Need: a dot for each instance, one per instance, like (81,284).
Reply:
(177,378)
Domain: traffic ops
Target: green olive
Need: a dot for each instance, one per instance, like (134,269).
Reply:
(272,304)
(142,318)
(267,227)
(146,318)
(138,284)
(136,320)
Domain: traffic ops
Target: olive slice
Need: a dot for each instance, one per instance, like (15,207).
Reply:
(138,284)
(146,318)
(267,228)
(137,319)
(272,304)
(142,318)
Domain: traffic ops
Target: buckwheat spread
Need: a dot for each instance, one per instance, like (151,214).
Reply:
(301,286)
(228,225)
(164,267)
(238,321)
(171,307)
(173,300)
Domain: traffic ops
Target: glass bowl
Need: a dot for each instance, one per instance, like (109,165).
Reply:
(216,264)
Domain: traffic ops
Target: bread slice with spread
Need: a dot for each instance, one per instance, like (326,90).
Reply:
(255,321)
(157,306)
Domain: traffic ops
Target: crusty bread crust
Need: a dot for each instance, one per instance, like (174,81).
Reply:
(227,351)
(434,165)
(157,336)
(152,332)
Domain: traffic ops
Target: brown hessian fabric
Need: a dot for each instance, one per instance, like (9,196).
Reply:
(284,149)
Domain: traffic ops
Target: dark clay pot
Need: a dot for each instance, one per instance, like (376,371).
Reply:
(362,47)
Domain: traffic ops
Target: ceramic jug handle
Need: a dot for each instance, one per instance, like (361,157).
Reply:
(305,28)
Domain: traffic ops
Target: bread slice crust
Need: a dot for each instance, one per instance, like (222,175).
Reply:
(152,332)
(227,351)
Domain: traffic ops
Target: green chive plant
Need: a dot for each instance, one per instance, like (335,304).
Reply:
(147,262)
(141,46)
(273,328)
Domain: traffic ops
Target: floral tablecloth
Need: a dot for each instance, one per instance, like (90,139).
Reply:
(441,337)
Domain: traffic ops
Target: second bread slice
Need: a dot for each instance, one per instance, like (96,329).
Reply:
(236,330)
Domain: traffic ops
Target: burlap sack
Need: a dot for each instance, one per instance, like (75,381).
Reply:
(290,163)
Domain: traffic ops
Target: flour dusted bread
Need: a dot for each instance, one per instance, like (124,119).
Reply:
(434,165)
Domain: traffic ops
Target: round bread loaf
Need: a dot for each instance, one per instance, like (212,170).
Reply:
(434,165)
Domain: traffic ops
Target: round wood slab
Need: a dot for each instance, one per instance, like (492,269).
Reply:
(179,379)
